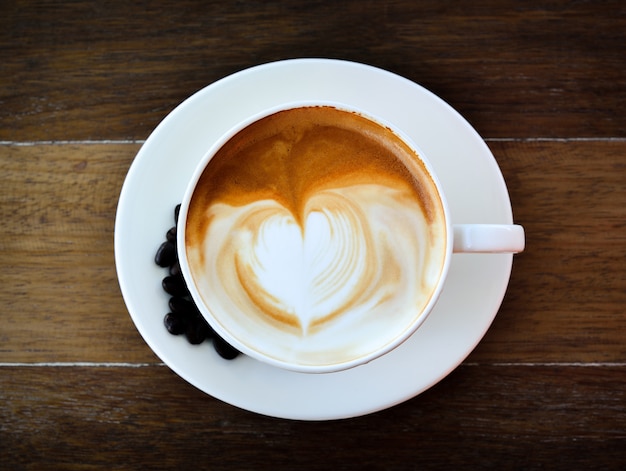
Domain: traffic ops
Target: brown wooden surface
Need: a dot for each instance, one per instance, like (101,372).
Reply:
(81,82)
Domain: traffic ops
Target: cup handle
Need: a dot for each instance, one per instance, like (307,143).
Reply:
(488,238)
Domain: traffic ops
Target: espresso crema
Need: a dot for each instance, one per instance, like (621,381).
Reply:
(315,236)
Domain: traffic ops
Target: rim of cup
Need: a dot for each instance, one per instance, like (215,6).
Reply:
(409,329)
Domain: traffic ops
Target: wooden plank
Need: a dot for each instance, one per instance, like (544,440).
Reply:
(89,70)
(60,296)
(533,417)
(61,300)
(567,293)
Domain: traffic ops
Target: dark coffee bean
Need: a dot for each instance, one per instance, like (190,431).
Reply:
(224,349)
(197,331)
(210,332)
(175,269)
(175,285)
(185,318)
(183,306)
(171,235)
(166,255)
(174,323)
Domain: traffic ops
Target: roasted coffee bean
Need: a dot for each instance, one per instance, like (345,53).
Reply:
(175,269)
(197,331)
(224,349)
(166,255)
(175,285)
(174,323)
(183,306)
(185,318)
(210,332)
(171,235)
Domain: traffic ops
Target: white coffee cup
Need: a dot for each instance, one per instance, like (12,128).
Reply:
(338,275)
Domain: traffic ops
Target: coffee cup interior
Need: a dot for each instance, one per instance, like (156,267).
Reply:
(315,237)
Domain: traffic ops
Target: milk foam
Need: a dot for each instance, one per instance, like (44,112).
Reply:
(329,286)
(315,236)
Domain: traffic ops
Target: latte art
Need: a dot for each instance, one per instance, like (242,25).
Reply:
(303,276)
(313,243)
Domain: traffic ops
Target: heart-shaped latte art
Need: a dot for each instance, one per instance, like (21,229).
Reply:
(315,236)
(357,255)
(305,274)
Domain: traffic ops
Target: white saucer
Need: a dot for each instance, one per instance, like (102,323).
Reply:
(470,177)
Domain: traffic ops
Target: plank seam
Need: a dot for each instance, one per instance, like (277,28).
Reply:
(142,141)
(142,365)
(61,364)
(65,143)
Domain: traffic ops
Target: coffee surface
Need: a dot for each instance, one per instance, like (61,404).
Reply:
(315,236)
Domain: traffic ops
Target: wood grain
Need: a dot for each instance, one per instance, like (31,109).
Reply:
(82,82)
(92,70)
(521,417)
(60,297)
(567,292)
(565,300)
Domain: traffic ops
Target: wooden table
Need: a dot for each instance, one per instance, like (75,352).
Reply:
(83,83)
